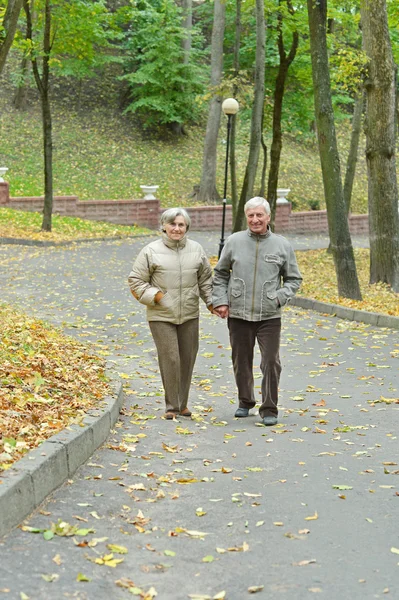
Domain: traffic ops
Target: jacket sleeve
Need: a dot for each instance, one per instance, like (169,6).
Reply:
(221,278)
(140,277)
(292,278)
(205,280)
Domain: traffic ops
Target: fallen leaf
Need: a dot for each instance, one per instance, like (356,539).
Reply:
(303,563)
(312,518)
(117,549)
(208,559)
(253,589)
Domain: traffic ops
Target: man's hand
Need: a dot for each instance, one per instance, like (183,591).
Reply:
(222,311)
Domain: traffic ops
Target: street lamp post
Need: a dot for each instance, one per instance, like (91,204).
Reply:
(230,108)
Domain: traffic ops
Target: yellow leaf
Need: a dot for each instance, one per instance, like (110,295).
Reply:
(312,518)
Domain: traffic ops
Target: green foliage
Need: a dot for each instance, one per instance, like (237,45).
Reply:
(163,87)
(81,36)
(393,22)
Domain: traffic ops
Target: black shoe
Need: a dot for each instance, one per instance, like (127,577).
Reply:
(270,420)
(185,412)
(242,412)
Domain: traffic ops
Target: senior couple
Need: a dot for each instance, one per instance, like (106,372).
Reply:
(256,275)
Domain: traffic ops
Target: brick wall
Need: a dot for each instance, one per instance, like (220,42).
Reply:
(147,213)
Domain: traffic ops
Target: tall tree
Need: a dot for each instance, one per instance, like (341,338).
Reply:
(67,37)
(256,117)
(380,145)
(353,149)
(8,29)
(207,190)
(340,240)
(236,69)
(187,6)
(164,79)
(277,140)
(43,85)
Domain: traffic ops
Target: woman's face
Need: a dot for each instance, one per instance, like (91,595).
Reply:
(176,229)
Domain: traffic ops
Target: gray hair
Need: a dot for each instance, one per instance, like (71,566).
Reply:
(170,215)
(257,201)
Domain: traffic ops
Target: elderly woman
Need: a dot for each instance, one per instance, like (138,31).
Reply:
(169,276)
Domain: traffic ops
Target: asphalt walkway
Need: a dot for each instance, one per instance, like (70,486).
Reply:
(213,507)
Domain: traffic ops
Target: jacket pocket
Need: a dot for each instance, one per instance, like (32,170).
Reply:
(269,304)
(237,295)
(166,301)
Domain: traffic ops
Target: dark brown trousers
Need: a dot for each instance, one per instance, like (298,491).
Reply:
(243,335)
(177,347)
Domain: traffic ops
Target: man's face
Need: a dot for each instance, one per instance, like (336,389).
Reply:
(257,219)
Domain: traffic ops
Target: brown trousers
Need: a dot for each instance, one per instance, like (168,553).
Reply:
(243,335)
(177,347)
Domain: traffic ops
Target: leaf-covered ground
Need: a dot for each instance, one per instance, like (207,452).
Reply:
(41,393)
(48,381)
(27,225)
(320,282)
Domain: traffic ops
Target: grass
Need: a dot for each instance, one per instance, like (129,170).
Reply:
(101,154)
(26,225)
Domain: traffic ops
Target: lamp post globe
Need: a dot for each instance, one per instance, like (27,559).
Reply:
(230,106)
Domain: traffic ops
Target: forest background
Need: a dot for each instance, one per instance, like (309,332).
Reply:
(127,111)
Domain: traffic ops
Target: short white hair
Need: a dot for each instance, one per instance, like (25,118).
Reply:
(257,201)
(170,215)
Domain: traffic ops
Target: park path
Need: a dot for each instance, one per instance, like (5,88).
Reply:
(214,506)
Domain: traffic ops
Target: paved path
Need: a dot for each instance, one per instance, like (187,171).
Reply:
(215,504)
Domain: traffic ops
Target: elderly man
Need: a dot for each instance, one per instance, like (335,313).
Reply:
(256,275)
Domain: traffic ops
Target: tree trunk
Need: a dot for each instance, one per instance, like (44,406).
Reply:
(42,82)
(262,187)
(20,100)
(340,240)
(236,67)
(256,118)
(187,6)
(380,145)
(10,23)
(277,141)
(353,150)
(208,191)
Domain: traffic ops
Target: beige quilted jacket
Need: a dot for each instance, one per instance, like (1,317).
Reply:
(169,277)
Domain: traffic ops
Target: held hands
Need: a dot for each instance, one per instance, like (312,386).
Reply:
(221,311)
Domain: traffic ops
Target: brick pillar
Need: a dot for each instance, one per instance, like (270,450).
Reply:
(4,193)
(282,218)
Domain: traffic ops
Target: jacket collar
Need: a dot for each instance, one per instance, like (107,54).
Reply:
(260,236)
(174,244)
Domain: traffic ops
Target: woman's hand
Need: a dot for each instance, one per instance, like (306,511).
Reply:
(222,311)
(158,297)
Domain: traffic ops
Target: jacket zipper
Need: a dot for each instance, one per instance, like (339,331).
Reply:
(256,268)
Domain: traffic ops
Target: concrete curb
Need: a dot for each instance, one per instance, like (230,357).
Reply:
(45,468)
(45,244)
(350,314)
